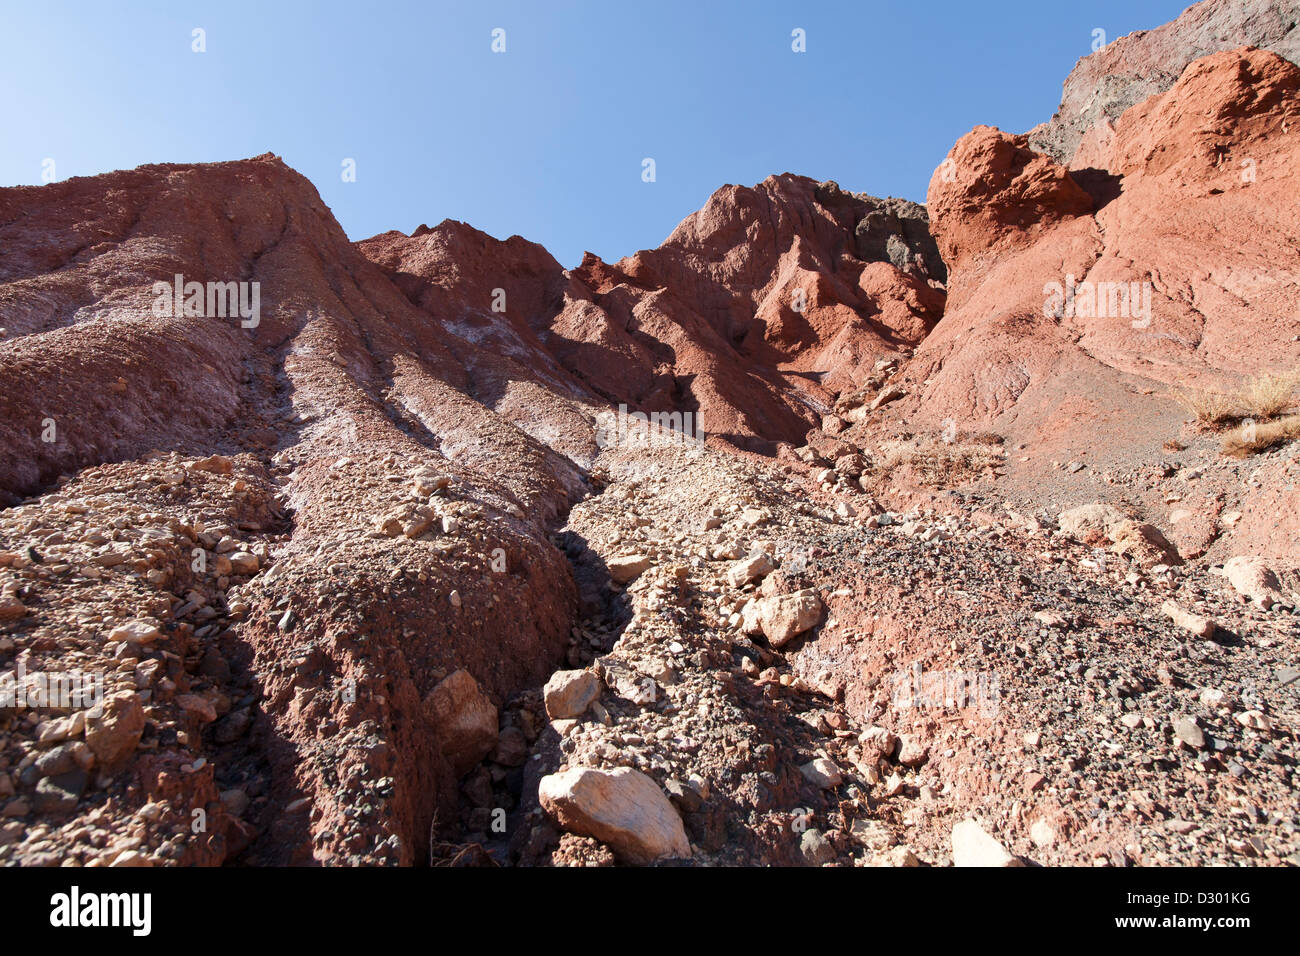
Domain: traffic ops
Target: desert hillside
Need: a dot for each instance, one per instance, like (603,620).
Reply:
(836,529)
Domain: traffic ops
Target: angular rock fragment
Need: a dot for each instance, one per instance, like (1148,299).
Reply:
(626,569)
(568,694)
(465,719)
(114,726)
(783,617)
(1192,623)
(622,808)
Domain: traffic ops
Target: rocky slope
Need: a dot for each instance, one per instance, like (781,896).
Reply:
(312,548)
(385,501)
(368,578)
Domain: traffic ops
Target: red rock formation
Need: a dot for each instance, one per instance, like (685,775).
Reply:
(420,441)
(315,552)
(753,314)
(1189,203)
(1193,203)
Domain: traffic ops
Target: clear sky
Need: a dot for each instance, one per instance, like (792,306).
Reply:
(547,138)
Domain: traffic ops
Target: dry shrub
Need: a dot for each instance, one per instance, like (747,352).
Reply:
(931,460)
(1210,409)
(1260,398)
(1252,439)
(1268,395)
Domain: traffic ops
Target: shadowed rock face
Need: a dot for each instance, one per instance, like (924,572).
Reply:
(898,231)
(1132,68)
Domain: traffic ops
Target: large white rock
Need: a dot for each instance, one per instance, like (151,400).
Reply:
(751,569)
(1089,521)
(136,632)
(622,808)
(627,568)
(822,773)
(971,846)
(1192,623)
(244,562)
(1253,579)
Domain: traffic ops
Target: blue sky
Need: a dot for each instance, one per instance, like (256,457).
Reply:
(546,139)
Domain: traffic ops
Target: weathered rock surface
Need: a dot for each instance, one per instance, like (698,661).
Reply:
(622,808)
(322,638)
(1179,210)
(724,320)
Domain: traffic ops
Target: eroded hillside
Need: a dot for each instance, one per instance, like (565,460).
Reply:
(927,565)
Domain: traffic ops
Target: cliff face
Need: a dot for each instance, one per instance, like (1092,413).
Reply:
(1080,303)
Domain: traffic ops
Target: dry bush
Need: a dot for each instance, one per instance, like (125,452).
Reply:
(1247,441)
(1260,398)
(1268,395)
(933,461)
(1210,409)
